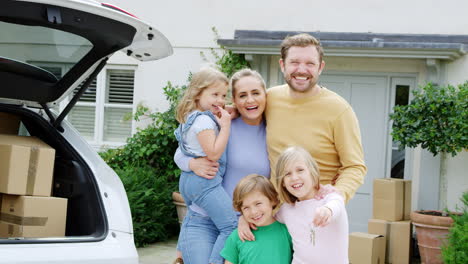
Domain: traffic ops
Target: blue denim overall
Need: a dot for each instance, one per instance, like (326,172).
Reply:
(207,194)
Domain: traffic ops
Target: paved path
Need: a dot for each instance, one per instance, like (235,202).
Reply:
(158,253)
(164,253)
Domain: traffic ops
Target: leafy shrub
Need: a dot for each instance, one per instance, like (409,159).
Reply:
(437,118)
(456,251)
(149,194)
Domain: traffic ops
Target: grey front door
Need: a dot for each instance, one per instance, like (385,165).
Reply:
(368,95)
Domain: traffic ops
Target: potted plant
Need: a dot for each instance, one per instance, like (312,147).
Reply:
(437,120)
(456,250)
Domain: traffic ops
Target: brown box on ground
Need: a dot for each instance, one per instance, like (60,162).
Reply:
(32,216)
(366,248)
(406,198)
(26,166)
(398,236)
(388,199)
(9,124)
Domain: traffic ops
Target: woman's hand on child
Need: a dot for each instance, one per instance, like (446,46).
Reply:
(243,230)
(224,118)
(323,216)
(204,167)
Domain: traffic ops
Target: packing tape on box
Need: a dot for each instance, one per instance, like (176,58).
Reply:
(22,220)
(32,170)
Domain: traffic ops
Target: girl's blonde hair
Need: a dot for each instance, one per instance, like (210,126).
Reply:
(245,73)
(287,158)
(199,82)
(251,183)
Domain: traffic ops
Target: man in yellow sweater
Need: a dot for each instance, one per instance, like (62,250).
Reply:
(306,114)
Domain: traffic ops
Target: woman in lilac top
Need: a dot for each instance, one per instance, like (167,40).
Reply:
(246,154)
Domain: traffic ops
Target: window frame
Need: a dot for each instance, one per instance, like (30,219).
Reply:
(100,105)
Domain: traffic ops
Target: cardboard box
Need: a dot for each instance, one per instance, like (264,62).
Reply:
(398,239)
(406,198)
(32,216)
(26,166)
(366,248)
(9,124)
(388,199)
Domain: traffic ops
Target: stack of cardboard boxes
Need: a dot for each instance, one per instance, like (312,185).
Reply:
(389,232)
(26,171)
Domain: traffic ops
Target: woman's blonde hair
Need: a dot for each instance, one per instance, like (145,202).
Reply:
(287,158)
(199,82)
(251,183)
(245,73)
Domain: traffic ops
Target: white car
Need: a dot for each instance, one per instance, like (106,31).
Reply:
(82,34)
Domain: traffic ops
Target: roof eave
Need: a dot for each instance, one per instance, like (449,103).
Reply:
(376,49)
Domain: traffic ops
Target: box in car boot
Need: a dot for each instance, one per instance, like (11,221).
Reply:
(32,216)
(9,124)
(26,166)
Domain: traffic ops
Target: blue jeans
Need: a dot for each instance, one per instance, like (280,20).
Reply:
(210,196)
(198,238)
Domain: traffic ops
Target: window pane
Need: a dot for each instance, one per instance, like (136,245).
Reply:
(90,94)
(402,95)
(115,128)
(398,156)
(82,118)
(120,86)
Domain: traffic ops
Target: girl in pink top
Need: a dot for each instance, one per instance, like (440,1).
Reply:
(314,214)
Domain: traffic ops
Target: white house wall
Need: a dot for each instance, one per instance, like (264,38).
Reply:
(457,71)
(188,23)
(457,179)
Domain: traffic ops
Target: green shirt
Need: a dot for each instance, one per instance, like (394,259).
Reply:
(272,245)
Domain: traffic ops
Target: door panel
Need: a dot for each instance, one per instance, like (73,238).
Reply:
(368,95)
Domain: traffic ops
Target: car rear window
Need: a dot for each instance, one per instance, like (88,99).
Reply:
(50,49)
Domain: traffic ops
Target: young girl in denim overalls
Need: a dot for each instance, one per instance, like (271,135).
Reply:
(204,132)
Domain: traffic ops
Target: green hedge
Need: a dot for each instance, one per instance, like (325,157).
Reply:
(146,167)
(456,251)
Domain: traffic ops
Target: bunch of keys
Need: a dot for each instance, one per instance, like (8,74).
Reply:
(312,234)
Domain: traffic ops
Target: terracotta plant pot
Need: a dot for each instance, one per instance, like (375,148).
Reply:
(431,231)
(180,206)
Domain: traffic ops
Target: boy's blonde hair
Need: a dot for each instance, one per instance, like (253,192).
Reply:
(199,82)
(245,73)
(251,183)
(286,159)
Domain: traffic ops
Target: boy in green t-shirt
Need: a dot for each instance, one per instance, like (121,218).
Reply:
(256,198)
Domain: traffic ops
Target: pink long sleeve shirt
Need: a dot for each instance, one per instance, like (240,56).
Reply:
(329,244)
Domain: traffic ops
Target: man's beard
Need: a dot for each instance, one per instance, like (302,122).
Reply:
(312,84)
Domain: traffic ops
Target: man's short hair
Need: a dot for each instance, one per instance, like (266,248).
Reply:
(300,40)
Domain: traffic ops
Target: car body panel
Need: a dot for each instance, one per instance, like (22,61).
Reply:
(118,247)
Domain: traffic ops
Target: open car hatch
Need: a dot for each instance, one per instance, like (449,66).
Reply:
(79,36)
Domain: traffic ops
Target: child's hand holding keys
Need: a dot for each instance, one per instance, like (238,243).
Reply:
(323,216)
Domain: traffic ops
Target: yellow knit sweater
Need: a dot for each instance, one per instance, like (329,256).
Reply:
(325,125)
